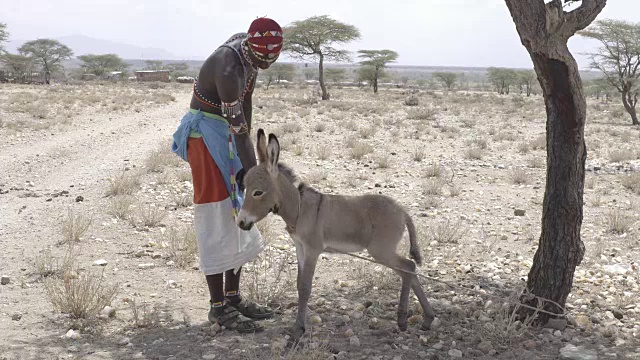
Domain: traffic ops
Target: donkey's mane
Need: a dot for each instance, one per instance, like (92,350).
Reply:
(290,175)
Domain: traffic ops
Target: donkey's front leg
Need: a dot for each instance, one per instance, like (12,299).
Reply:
(305,281)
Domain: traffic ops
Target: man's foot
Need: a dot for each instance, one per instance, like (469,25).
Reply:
(249,308)
(229,317)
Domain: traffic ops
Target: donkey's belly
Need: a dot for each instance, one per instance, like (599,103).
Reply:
(342,247)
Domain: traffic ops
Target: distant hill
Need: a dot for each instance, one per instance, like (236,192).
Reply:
(81,45)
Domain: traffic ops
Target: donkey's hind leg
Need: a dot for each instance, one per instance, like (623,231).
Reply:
(427,311)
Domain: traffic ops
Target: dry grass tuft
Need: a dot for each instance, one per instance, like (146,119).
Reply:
(48,265)
(518,176)
(120,206)
(618,223)
(323,151)
(126,183)
(474,153)
(448,232)
(74,226)
(181,245)
(433,170)
(359,150)
(149,216)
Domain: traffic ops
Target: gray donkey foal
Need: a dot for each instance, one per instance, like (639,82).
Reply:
(330,223)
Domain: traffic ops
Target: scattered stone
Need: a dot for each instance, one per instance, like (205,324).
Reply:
(438,346)
(321,301)
(455,353)
(79,198)
(5,280)
(101,262)
(354,341)
(617,314)
(424,341)
(146,266)
(72,334)
(108,312)
(216,327)
(572,352)
(530,344)
(436,322)
(172,284)
(123,341)
(315,320)
(349,333)
(519,212)
(374,323)
(16,317)
(610,331)
(557,333)
(208,356)
(557,324)
(415,319)
(485,347)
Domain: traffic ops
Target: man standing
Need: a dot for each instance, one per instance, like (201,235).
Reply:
(214,137)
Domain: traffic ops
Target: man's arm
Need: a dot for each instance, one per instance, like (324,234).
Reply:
(229,84)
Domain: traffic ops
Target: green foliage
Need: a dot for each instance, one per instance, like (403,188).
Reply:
(502,79)
(336,74)
(377,60)
(100,64)
(314,38)
(278,72)
(178,69)
(48,53)
(4,35)
(448,79)
(527,78)
(17,64)
(154,65)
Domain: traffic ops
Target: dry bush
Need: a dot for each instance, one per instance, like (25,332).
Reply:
(120,206)
(618,223)
(148,216)
(622,155)
(382,161)
(480,143)
(474,153)
(418,154)
(536,162)
(145,315)
(539,143)
(320,127)
(298,149)
(631,182)
(447,232)
(351,141)
(182,245)
(596,201)
(432,187)
(505,136)
(317,176)
(468,123)
(269,277)
(367,132)
(412,100)
(505,326)
(126,183)
(182,200)
(523,147)
(159,158)
(289,127)
(323,151)
(375,277)
(83,296)
(48,265)
(351,125)
(422,114)
(184,175)
(455,190)
(431,202)
(433,170)
(590,182)
(359,150)
(74,226)
(518,176)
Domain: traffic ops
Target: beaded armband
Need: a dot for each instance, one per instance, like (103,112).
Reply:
(231,109)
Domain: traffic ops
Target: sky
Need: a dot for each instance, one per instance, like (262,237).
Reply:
(476,33)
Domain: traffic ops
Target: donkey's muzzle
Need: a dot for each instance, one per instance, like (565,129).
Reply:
(245,225)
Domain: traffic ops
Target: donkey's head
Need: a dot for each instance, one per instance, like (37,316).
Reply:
(261,183)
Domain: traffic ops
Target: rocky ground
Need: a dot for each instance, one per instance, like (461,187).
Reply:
(95,216)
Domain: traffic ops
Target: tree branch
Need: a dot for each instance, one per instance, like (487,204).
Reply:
(581,17)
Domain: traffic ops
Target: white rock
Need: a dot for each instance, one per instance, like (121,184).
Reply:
(72,334)
(172,284)
(146,266)
(315,320)
(455,353)
(354,341)
(616,269)
(572,352)
(100,262)
(108,312)
(208,356)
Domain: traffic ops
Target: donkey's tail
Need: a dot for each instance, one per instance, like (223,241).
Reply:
(414,250)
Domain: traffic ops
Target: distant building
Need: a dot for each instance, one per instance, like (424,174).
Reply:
(152,75)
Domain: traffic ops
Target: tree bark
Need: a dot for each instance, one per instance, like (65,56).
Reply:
(544,31)
(325,94)
(375,82)
(629,105)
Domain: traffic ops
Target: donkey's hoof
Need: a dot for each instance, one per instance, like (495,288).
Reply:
(402,325)
(426,324)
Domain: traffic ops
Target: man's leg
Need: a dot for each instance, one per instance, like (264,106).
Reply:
(246,307)
(216,292)
(232,286)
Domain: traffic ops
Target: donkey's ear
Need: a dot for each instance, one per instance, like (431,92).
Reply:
(261,146)
(273,154)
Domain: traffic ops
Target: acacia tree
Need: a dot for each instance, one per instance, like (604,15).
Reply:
(314,38)
(544,30)
(48,53)
(527,78)
(20,65)
(4,35)
(336,74)
(100,64)
(448,79)
(618,58)
(377,60)
(502,79)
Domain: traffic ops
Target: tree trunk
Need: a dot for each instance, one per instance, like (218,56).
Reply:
(544,31)
(325,94)
(375,82)
(629,105)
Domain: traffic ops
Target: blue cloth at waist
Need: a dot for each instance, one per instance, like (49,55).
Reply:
(215,133)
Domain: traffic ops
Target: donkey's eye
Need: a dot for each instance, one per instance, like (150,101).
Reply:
(257,193)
